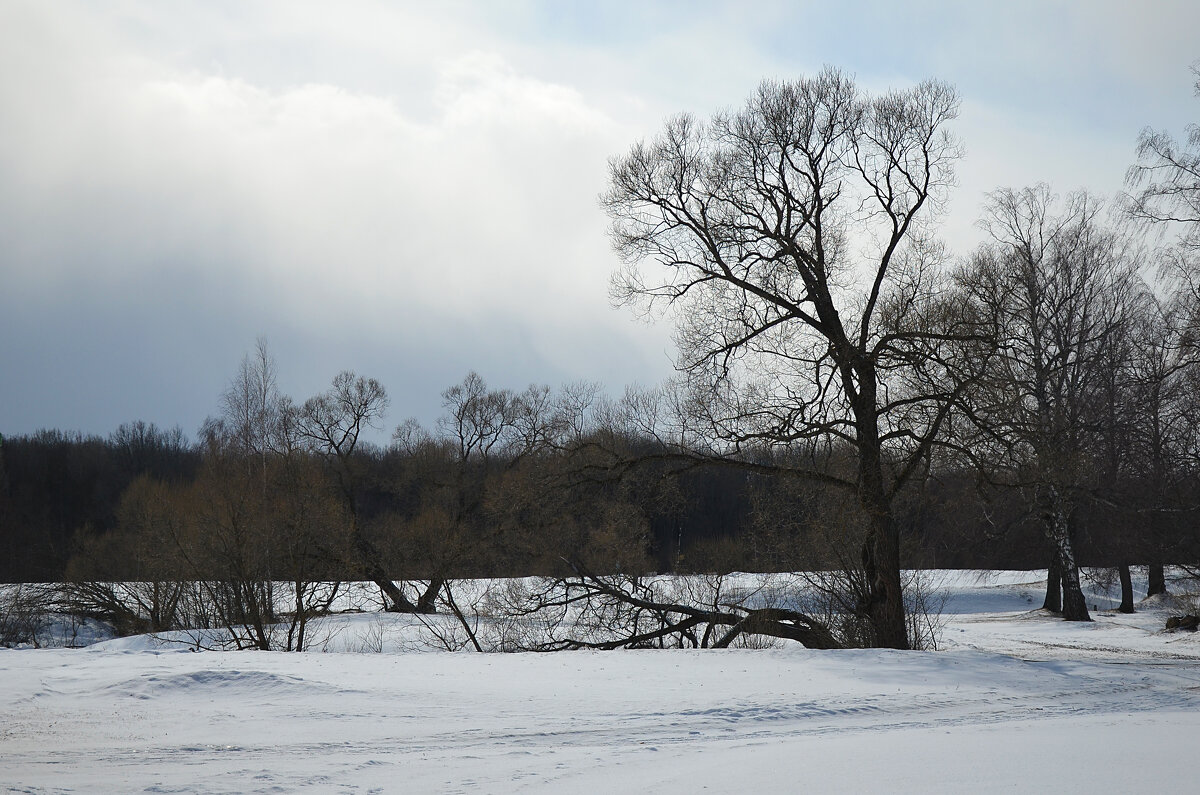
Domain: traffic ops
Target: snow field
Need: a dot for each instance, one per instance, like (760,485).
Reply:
(1018,701)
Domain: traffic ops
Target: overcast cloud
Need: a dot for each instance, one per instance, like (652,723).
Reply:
(409,190)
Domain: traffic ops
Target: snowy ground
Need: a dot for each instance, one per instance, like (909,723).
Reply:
(1016,701)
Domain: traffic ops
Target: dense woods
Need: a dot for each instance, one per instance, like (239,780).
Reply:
(71,504)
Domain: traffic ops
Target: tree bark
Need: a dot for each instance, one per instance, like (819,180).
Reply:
(399,602)
(368,557)
(427,601)
(1158,580)
(1074,605)
(1058,527)
(1054,585)
(1053,601)
(1126,589)
(881,564)
(881,547)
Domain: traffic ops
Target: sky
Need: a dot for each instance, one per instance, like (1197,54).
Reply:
(409,190)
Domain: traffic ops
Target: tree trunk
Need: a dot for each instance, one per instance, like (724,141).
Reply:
(1126,589)
(368,558)
(881,547)
(881,565)
(1074,605)
(399,603)
(1158,580)
(1053,601)
(427,601)
(1059,529)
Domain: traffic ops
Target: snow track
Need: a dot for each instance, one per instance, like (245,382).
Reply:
(254,722)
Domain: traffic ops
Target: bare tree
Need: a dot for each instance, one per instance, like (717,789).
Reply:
(1162,399)
(143,447)
(251,407)
(331,424)
(477,421)
(1166,181)
(25,610)
(263,510)
(1056,289)
(481,432)
(1165,193)
(130,577)
(791,239)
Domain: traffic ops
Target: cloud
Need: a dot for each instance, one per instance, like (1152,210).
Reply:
(411,189)
(317,210)
(315,186)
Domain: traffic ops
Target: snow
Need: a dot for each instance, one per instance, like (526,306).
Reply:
(1016,700)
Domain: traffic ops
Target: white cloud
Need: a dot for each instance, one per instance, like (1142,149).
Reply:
(322,193)
(315,207)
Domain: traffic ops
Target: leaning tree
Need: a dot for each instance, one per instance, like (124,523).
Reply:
(791,241)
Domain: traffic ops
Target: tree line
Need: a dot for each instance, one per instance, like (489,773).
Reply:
(62,495)
(849,399)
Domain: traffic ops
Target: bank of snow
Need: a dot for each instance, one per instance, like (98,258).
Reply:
(1018,701)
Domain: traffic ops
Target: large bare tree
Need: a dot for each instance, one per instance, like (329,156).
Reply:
(792,240)
(1058,288)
